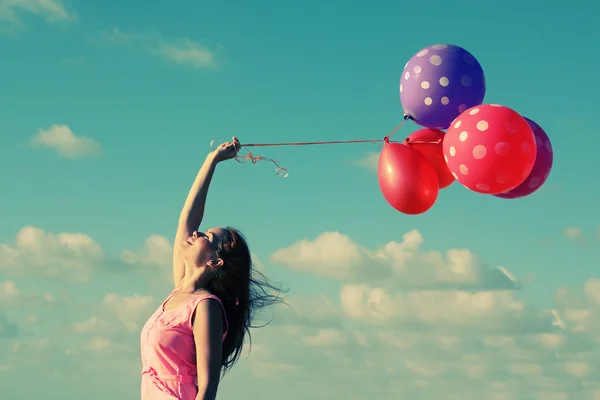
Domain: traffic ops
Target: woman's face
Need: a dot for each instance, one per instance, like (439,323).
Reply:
(199,249)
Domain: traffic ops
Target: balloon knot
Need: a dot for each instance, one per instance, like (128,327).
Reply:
(386,139)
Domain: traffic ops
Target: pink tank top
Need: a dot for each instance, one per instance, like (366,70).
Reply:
(167,341)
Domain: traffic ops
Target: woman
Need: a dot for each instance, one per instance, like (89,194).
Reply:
(198,331)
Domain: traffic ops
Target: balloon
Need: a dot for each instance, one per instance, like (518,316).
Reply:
(490,149)
(424,142)
(407,180)
(440,82)
(541,169)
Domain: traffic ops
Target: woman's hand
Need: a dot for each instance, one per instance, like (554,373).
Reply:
(227,150)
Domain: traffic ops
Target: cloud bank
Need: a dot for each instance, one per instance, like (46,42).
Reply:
(404,324)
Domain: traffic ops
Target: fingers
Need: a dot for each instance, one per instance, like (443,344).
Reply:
(230,149)
(236,142)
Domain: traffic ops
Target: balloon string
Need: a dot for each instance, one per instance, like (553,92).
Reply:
(280,171)
(327,142)
(310,143)
(387,138)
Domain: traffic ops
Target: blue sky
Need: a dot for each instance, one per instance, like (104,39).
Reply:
(145,87)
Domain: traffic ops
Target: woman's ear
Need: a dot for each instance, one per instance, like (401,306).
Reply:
(217,263)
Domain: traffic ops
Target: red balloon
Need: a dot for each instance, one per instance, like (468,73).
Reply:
(490,149)
(407,180)
(428,143)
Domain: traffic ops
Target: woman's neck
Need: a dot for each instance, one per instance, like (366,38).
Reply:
(193,282)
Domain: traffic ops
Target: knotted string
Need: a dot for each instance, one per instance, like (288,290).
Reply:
(283,172)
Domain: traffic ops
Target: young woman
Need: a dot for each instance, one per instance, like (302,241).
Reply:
(198,331)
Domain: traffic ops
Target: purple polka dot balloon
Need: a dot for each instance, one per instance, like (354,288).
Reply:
(541,169)
(439,83)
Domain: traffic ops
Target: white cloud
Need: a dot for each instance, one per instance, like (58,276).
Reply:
(91,325)
(181,51)
(130,310)
(8,291)
(331,254)
(400,264)
(157,251)
(313,311)
(98,344)
(325,338)
(186,52)
(116,314)
(39,253)
(65,143)
(497,311)
(369,161)
(573,232)
(16,298)
(257,263)
(51,11)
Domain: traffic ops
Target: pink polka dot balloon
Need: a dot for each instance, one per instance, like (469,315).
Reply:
(541,169)
(490,149)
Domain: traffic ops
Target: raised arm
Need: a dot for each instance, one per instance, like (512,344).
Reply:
(193,208)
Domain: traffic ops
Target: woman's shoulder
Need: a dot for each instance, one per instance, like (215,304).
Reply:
(209,312)
(201,296)
(202,293)
(192,300)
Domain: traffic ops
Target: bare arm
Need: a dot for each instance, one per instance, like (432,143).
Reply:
(208,333)
(193,208)
(192,213)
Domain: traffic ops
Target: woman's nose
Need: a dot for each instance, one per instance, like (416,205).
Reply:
(195,235)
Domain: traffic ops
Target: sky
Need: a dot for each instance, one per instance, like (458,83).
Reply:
(109,109)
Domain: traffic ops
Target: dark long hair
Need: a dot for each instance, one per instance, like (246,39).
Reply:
(243,291)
